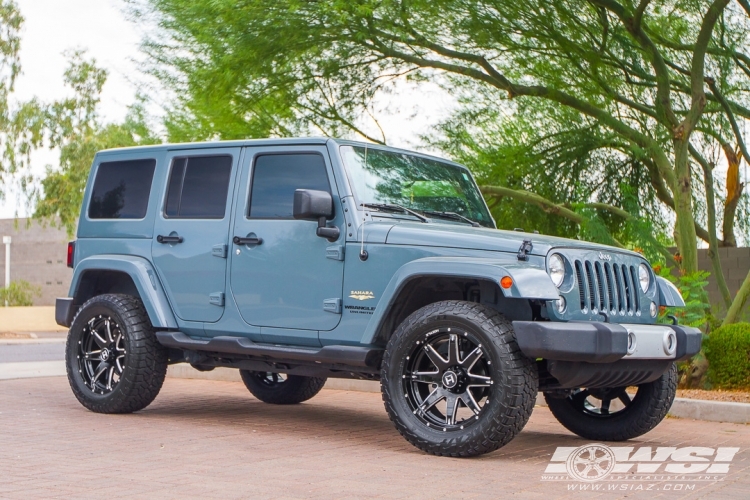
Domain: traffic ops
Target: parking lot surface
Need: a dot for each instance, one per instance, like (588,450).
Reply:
(212,439)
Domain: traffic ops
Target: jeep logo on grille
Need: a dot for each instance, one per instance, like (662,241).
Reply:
(605,256)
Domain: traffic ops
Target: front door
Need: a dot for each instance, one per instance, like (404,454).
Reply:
(191,233)
(286,277)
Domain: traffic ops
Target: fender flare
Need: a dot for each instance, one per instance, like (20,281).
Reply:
(669,295)
(529,282)
(144,277)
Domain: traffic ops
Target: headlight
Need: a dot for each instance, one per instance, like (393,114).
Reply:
(556,267)
(644,277)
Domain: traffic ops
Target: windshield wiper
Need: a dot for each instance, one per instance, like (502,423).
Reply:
(451,215)
(392,207)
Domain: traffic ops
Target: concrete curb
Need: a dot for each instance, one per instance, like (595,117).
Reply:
(713,411)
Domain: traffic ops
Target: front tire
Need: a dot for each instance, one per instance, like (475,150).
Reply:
(113,360)
(281,389)
(454,381)
(588,412)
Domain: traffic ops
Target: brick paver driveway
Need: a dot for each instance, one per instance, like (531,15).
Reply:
(213,440)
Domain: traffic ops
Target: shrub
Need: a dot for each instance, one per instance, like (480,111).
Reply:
(692,287)
(728,353)
(19,293)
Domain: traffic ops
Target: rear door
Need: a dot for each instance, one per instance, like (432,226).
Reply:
(191,232)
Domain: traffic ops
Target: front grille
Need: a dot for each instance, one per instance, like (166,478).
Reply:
(609,288)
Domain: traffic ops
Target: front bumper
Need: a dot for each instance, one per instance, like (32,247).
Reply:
(598,342)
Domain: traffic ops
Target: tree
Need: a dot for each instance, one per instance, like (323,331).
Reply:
(651,87)
(10,42)
(72,126)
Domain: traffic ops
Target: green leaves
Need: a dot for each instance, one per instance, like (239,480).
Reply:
(72,125)
(692,287)
(557,98)
(19,293)
(10,66)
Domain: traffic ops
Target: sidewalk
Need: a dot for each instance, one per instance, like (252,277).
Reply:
(29,319)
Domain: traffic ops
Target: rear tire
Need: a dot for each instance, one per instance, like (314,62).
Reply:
(454,381)
(113,360)
(277,389)
(579,413)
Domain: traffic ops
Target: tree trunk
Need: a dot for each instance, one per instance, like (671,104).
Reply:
(687,240)
(739,302)
(734,190)
(713,244)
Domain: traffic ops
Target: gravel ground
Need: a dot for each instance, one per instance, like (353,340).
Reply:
(733,396)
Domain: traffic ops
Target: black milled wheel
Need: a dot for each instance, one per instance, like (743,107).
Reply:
(113,360)
(590,412)
(281,389)
(454,381)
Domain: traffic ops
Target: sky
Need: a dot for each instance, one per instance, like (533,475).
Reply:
(53,27)
(103,29)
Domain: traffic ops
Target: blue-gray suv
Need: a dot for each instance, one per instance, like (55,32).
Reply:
(296,260)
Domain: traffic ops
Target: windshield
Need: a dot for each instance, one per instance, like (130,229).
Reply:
(378,176)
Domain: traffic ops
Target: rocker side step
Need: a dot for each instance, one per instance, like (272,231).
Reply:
(350,356)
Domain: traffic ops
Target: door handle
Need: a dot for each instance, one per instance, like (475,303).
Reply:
(240,240)
(169,239)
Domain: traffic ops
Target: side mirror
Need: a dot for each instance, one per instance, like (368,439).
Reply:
(312,204)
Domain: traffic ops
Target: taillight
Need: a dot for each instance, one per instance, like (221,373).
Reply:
(71,253)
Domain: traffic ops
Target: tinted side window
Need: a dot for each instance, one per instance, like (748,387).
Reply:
(121,189)
(198,187)
(276,177)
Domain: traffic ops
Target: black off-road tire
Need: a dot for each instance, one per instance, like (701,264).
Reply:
(646,410)
(510,398)
(292,390)
(145,360)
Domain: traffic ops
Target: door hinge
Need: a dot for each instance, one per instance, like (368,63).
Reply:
(332,306)
(335,252)
(216,299)
(219,251)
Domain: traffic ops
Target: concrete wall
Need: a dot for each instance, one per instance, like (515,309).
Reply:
(735,264)
(38,255)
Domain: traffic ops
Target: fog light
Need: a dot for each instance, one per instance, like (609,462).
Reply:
(669,342)
(653,309)
(560,304)
(631,342)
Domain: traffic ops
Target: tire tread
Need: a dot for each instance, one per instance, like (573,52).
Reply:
(146,362)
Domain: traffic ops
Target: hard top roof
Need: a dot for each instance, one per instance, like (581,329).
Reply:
(287,141)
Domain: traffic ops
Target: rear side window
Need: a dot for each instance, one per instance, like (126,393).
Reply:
(198,187)
(121,189)
(276,177)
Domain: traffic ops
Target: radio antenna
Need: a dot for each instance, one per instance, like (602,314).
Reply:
(362,252)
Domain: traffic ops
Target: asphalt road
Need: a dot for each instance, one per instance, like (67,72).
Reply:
(15,353)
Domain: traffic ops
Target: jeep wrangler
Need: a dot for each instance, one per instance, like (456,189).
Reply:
(296,260)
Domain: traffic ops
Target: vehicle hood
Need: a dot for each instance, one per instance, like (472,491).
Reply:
(480,238)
